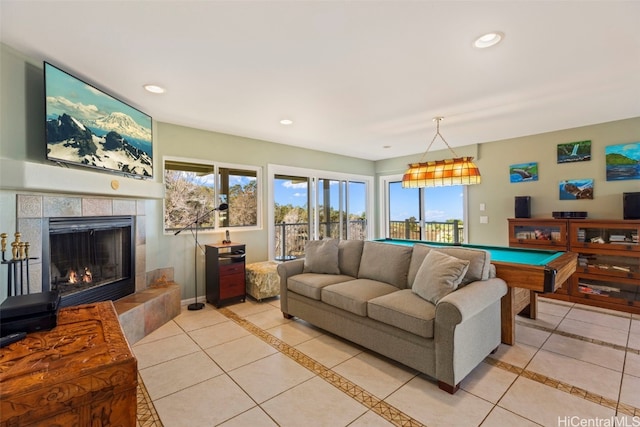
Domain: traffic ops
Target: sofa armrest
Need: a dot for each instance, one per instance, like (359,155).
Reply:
(467,328)
(286,270)
(465,303)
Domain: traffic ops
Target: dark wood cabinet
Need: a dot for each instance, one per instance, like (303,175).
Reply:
(225,274)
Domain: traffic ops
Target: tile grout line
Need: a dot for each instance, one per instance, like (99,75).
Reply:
(578,337)
(562,386)
(377,405)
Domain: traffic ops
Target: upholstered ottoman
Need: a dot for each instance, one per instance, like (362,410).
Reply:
(262,279)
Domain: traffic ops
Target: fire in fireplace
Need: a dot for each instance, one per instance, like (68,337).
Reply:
(89,259)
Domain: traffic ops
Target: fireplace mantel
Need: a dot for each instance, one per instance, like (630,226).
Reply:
(40,177)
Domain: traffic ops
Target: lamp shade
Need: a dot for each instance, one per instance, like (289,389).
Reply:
(441,173)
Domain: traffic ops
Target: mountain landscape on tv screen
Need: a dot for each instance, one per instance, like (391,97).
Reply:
(114,142)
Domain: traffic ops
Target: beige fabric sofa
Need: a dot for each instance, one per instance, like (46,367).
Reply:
(369,297)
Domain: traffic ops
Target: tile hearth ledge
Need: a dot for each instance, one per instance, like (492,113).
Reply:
(145,311)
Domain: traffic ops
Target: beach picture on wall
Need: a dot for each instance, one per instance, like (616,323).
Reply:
(574,189)
(523,172)
(579,151)
(623,161)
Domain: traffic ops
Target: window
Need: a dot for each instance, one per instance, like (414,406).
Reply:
(311,205)
(194,189)
(431,214)
(239,189)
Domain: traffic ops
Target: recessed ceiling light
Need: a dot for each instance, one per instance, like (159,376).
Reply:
(286,122)
(488,40)
(154,88)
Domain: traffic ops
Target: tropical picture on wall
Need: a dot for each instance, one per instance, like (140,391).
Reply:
(623,161)
(574,189)
(523,172)
(574,152)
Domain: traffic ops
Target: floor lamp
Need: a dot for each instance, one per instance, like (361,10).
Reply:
(194,224)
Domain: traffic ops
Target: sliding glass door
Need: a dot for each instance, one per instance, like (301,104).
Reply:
(315,205)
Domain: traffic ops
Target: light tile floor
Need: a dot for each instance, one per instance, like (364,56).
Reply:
(245,365)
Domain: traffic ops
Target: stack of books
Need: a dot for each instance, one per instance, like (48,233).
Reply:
(617,238)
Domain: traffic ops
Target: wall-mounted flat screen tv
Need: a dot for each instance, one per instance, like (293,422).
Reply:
(86,126)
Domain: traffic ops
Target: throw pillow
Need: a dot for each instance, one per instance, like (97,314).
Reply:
(439,275)
(321,256)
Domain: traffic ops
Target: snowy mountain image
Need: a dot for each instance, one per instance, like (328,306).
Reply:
(70,140)
(121,123)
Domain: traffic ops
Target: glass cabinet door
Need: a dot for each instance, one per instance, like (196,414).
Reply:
(540,233)
(609,235)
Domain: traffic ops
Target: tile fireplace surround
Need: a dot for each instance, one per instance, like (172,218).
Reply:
(33,210)
(157,298)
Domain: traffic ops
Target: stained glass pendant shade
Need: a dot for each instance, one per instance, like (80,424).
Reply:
(441,173)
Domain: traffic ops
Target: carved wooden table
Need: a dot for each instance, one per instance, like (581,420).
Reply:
(80,373)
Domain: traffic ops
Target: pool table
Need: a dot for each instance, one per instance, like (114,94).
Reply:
(525,271)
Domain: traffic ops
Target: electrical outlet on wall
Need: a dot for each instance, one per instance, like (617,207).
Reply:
(484,220)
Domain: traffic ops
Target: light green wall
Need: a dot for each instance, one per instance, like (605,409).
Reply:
(22,139)
(178,141)
(497,193)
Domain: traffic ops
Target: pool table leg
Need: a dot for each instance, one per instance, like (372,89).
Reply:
(517,300)
(508,317)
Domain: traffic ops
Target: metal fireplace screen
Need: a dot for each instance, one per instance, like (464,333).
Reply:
(90,258)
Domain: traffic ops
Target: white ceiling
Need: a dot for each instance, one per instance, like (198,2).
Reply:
(354,76)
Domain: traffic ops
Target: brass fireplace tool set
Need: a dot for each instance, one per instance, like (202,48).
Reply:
(18,264)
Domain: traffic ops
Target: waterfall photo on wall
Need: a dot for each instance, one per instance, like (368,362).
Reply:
(574,152)
(623,161)
(87,127)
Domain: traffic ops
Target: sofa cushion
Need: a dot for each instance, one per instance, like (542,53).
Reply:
(321,256)
(352,296)
(417,256)
(385,262)
(350,253)
(439,275)
(405,310)
(479,261)
(310,284)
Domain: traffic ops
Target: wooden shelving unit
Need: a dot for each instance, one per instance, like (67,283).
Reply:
(608,273)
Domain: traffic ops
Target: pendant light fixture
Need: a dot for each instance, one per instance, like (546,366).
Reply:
(441,173)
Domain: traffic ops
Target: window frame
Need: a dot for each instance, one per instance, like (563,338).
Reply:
(313,175)
(216,172)
(383,206)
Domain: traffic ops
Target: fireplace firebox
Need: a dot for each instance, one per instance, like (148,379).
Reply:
(89,259)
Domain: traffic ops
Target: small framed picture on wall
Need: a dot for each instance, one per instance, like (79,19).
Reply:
(570,152)
(623,161)
(574,189)
(523,172)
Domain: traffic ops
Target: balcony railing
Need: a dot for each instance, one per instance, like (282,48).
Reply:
(442,232)
(291,238)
